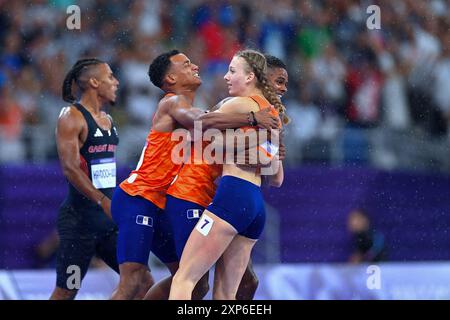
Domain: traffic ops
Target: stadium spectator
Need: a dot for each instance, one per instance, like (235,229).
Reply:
(369,244)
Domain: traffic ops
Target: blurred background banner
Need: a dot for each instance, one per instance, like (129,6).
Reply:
(308,218)
(367,170)
(398,281)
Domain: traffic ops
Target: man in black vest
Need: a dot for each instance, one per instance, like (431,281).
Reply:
(86,140)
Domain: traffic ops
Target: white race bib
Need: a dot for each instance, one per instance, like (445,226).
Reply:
(269,148)
(103,172)
(204,225)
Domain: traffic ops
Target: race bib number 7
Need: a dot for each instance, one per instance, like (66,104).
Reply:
(204,225)
(103,173)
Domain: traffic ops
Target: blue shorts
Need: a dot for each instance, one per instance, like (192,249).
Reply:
(241,204)
(184,216)
(143,227)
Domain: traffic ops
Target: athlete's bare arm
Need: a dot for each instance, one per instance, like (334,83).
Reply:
(264,118)
(222,120)
(175,111)
(244,104)
(237,106)
(71,131)
(237,117)
(276,180)
(180,108)
(184,113)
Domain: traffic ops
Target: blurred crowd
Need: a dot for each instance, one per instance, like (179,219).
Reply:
(379,96)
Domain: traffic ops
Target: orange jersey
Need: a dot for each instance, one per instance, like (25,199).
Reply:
(267,148)
(155,170)
(195,182)
(264,104)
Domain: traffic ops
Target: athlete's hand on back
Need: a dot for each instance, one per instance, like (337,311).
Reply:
(266,119)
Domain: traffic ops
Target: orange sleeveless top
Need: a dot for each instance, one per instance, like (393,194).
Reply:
(264,104)
(195,182)
(155,170)
(266,148)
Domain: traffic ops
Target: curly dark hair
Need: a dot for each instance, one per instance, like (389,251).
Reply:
(159,66)
(274,62)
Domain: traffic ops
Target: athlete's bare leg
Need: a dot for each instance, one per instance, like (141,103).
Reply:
(199,255)
(161,290)
(231,267)
(63,294)
(249,284)
(135,280)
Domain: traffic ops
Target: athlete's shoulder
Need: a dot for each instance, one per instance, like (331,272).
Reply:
(172,101)
(70,112)
(219,104)
(239,105)
(179,100)
(70,120)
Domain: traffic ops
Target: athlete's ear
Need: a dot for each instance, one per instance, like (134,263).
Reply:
(250,77)
(93,82)
(170,78)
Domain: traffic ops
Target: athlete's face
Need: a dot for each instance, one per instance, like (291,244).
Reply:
(184,71)
(237,77)
(278,77)
(108,84)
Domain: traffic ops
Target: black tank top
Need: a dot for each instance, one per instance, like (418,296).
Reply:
(97,160)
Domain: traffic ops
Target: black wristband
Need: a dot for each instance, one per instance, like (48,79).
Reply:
(249,119)
(254,122)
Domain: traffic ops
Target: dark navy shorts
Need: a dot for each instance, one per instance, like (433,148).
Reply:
(241,204)
(184,216)
(143,227)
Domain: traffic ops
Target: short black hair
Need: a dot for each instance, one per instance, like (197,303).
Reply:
(274,62)
(159,66)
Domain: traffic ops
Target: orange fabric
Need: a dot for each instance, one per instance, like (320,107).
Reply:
(155,174)
(195,181)
(155,171)
(263,104)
